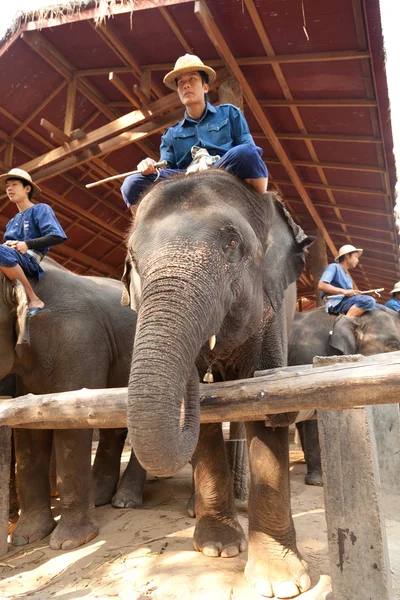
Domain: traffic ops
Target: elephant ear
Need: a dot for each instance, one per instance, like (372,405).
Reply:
(22,322)
(132,286)
(344,337)
(285,254)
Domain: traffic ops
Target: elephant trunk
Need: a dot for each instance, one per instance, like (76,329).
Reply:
(163,398)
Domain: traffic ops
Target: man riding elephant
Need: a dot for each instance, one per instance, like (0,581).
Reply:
(221,130)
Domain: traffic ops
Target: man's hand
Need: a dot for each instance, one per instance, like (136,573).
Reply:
(20,247)
(146,166)
(350,293)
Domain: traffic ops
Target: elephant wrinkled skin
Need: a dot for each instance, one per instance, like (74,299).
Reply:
(208,256)
(85,341)
(316,333)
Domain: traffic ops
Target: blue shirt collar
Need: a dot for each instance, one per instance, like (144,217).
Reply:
(186,118)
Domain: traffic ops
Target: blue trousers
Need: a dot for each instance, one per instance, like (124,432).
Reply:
(11,258)
(244,161)
(361,301)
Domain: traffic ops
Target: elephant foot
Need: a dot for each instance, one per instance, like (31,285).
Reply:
(219,536)
(314,478)
(104,488)
(31,528)
(191,506)
(68,537)
(276,570)
(127,498)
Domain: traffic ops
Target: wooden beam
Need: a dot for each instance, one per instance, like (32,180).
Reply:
(88,260)
(98,135)
(119,84)
(145,84)
(56,134)
(349,207)
(321,103)
(8,155)
(128,137)
(306,57)
(203,14)
(322,137)
(372,380)
(330,165)
(70,107)
(178,33)
(372,239)
(337,188)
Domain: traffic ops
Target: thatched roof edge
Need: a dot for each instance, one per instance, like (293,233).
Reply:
(64,12)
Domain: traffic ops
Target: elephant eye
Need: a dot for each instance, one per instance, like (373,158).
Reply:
(232,243)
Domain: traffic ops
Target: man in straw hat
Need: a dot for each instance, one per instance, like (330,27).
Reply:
(394,302)
(336,281)
(28,236)
(221,130)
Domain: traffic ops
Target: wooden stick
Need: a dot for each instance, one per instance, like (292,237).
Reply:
(158,165)
(372,380)
(377,290)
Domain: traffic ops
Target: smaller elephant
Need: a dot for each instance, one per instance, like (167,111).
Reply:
(316,333)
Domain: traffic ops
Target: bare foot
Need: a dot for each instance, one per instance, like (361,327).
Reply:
(219,536)
(66,537)
(32,527)
(37,303)
(275,570)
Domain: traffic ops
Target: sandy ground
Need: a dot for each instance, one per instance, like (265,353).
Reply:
(147,553)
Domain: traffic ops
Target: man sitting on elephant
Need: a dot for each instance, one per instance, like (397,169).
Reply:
(28,236)
(394,302)
(337,287)
(221,130)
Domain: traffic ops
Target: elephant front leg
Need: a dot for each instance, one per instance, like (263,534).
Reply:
(218,532)
(274,567)
(74,484)
(33,452)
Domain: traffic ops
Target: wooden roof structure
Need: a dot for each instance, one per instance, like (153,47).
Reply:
(81,99)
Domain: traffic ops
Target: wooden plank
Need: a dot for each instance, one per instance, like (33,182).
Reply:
(5,461)
(348,207)
(321,103)
(59,136)
(8,155)
(70,107)
(119,84)
(203,14)
(373,380)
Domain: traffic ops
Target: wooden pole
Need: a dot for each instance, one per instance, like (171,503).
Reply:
(318,261)
(373,380)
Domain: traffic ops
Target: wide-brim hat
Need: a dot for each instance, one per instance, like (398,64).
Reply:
(23,176)
(187,64)
(347,249)
(396,289)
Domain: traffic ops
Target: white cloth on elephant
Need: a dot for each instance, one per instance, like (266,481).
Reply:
(202,160)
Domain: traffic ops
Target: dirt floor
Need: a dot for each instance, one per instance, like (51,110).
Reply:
(147,553)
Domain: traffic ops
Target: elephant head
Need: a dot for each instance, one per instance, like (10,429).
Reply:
(14,323)
(208,259)
(374,332)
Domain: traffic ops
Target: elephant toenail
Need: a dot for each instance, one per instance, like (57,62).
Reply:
(305,582)
(230,551)
(264,588)
(286,589)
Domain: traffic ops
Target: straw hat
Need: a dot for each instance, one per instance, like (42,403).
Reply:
(346,249)
(187,64)
(396,288)
(23,176)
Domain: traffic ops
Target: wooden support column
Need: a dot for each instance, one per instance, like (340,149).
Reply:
(318,261)
(8,155)
(5,461)
(230,92)
(357,542)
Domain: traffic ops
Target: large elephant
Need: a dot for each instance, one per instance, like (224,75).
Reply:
(316,333)
(208,265)
(85,341)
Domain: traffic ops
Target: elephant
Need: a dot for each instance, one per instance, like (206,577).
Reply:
(211,268)
(316,333)
(85,341)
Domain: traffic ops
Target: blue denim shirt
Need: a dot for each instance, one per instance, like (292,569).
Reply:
(34,222)
(394,304)
(219,129)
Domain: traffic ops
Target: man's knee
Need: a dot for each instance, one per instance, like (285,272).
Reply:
(8,257)
(133,186)
(245,152)
(365,302)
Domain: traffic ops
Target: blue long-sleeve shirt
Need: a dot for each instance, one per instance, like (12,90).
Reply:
(218,130)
